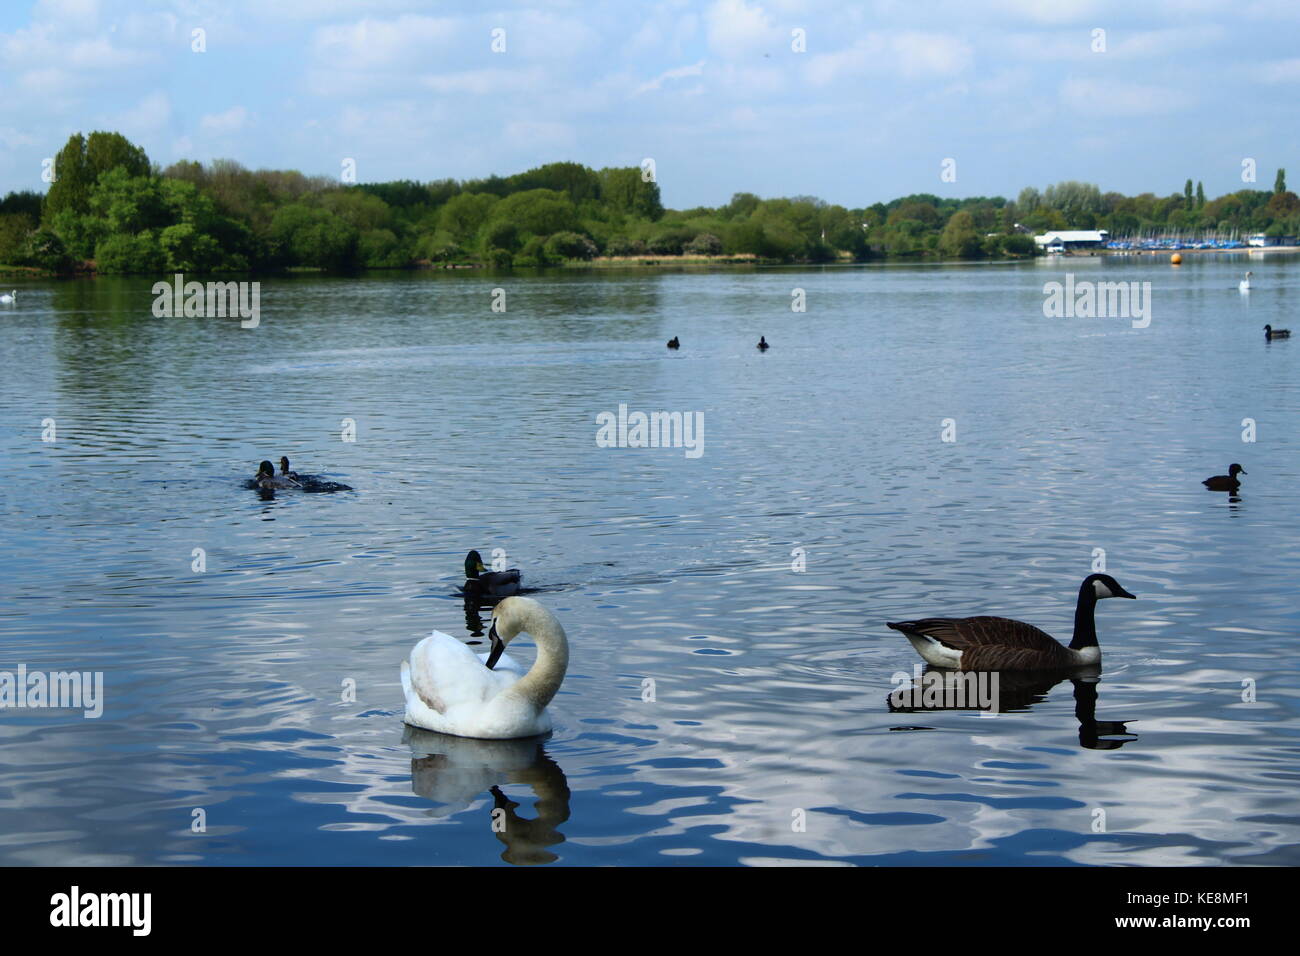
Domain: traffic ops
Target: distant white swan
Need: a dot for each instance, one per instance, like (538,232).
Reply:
(9,298)
(1244,284)
(452,690)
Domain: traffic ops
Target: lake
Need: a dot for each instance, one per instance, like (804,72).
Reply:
(920,441)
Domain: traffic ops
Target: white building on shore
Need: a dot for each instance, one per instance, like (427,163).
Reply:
(1070,239)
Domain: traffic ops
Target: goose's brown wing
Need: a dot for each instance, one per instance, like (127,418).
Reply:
(991,643)
(964,633)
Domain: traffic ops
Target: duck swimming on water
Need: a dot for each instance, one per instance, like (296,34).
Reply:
(1228,482)
(268,480)
(673,343)
(1271,333)
(762,343)
(481,582)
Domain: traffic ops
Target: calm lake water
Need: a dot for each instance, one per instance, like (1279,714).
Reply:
(767,737)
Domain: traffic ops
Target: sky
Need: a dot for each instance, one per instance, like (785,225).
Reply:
(853,102)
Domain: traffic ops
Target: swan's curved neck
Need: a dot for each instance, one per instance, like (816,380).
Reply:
(543,679)
(1085,628)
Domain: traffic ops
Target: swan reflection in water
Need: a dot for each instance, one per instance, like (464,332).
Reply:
(454,771)
(949,689)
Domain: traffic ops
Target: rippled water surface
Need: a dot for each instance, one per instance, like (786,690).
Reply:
(720,707)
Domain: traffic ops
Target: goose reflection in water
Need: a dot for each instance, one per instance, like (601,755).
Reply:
(942,688)
(453,772)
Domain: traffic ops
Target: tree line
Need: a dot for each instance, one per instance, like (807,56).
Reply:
(110,210)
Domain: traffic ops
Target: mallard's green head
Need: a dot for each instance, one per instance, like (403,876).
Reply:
(266,470)
(473,565)
(284,465)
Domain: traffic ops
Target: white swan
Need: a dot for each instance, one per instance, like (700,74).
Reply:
(9,298)
(449,689)
(1244,284)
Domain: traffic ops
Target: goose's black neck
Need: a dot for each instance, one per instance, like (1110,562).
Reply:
(1085,628)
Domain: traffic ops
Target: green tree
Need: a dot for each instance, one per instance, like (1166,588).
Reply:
(960,238)
(80,164)
(45,250)
(627,191)
(1279,183)
(705,244)
(464,215)
(186,249)
(129,254)
(15,228)
(570,245)
(537,212)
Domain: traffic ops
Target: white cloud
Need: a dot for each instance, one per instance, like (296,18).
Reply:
(911,54)
(151,114)
(736,29)
(1279,71)
(677,73)
(231,121)
(383,44)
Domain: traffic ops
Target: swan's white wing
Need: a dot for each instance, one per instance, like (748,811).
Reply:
(445,679)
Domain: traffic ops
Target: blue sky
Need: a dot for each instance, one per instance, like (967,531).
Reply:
(884,92)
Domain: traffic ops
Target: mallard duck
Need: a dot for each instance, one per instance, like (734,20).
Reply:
(762,343)
(1228,482)
(284,470)
(267,479)
(1271,333)
(1001,644)
(673,343)
(480,581)
(449,689)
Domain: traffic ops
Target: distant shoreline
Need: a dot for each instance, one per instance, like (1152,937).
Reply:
(1170,252)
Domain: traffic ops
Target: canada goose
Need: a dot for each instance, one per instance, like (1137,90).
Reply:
(762,343)
(267,479)
(1244,284)
(1228,482)
(1271,333)
(1001,644)
(482,582)
(448,688)
(673,343)
(9,298)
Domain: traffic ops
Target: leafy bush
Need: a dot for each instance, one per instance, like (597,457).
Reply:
(570,245)
(45,250)
(705,244)
(121,254)
(622,246)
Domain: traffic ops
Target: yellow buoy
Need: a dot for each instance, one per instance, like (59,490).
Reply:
(1176,259)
